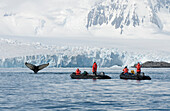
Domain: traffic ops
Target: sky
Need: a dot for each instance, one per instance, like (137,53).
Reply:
(42,5)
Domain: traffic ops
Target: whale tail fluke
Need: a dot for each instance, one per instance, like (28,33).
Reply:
(36,68)
(42,66)
(30,66)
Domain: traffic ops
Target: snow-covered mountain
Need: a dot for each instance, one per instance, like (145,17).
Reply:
(85,17)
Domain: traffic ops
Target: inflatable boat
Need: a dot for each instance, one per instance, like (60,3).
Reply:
(134,76)
(89,76)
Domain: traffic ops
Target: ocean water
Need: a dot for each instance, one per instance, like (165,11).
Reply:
(54,90)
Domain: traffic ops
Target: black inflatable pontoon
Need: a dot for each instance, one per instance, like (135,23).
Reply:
(89,76)
(134,76)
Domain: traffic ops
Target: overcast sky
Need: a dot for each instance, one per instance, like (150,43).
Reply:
(43,5)
(36,5)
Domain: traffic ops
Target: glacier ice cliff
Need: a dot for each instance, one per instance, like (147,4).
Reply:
(83,57)
(71,57)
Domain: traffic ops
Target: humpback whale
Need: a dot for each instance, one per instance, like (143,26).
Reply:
(36,68)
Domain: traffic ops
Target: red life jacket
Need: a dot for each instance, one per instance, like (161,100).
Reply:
(94,68)
(78,72)
(138,68)
(125,70)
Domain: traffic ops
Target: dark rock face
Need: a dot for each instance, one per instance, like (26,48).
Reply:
(151,64)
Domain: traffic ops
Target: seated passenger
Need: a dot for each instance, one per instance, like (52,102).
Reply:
(132,72)
(78,72)
(125,70)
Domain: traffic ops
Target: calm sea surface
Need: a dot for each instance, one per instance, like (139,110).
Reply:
(53,89)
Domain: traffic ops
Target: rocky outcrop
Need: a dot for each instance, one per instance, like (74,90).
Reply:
(152,64)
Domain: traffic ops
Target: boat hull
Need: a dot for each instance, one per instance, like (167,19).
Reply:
(134,77)
(89,76)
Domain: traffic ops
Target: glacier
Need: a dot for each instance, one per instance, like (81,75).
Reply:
(73,56)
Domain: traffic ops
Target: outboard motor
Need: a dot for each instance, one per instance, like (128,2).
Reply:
(143,74)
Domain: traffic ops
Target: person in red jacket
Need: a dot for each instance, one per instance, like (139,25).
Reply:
(125,70)
(138,66)
(78,72)
(94,68)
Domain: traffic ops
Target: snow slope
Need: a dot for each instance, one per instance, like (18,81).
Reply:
(43,18)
